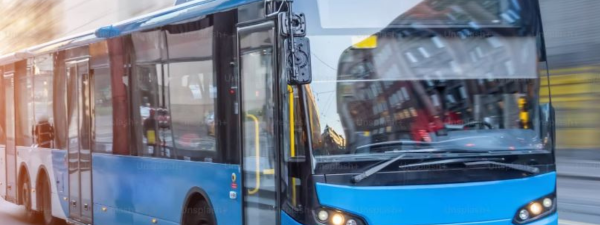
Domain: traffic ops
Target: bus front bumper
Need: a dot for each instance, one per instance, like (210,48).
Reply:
(475,203)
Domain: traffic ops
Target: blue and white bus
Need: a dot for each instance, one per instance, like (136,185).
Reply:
(314,112)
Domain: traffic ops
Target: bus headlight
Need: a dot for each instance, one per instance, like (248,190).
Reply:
(351,222)
(328,216)
(536,209)
(323,215)
(338,219)
(523,214)
(547,202)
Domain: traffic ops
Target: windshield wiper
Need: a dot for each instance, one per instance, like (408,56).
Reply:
(375,169)
(465,161)
(477,162)
(394,144)
(524,168)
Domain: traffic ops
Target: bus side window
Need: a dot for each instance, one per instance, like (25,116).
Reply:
(174,92)
(146,94)
(59,101)
(102,104)
(42,101)
(24,103)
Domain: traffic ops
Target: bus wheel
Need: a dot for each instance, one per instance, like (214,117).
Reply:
(47,204)
(30,215)
(198,213)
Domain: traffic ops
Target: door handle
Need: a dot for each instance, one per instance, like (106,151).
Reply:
(257,152)
(85,206)
(73,203)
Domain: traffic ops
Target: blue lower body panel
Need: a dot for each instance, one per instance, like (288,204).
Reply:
(287,220)
(59,165)
(550,220)
(492,203)
(136,190)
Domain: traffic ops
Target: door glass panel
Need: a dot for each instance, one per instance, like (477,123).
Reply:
(2,139)
(259,143)
(85,155)
(9,87)
(103,111)
(73,146)
(80,158)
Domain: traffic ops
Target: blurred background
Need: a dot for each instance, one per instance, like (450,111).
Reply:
(572,30)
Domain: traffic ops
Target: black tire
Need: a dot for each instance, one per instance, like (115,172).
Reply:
(199,213)
(46,204)
(30,215)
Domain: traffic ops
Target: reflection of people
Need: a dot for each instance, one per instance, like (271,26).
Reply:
(209,120)
(150,127)
(44,133)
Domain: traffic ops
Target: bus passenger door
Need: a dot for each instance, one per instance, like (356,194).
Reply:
(10,148)
(256,64)
(79,153)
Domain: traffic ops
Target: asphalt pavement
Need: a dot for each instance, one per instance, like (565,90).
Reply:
(578,188)
(11,214)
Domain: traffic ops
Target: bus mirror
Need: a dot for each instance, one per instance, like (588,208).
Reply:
(298,63)
(547,120)
(295,166)
(547,114)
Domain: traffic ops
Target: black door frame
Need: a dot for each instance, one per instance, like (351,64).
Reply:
(11,173)
(246,28)
(78,202)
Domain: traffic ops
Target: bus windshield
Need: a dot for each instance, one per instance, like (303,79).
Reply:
(464,77)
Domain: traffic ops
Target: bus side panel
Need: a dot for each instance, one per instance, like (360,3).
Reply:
(126,187)
(287,220)
(25,165)
(60,189)
(2,171)
(34,159)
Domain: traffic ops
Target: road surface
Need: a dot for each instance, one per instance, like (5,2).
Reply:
(578,191)
(11,214)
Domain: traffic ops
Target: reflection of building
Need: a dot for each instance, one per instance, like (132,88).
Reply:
(332,140)
(415,84)
(313,113)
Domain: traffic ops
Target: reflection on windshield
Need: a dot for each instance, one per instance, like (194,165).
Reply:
(464,87)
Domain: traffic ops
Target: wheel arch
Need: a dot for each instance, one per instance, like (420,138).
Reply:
(23,171)
(196,194)
(42,176)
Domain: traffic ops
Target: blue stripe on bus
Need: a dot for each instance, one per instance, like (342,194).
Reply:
(59,168)
(438,204)
(135,190)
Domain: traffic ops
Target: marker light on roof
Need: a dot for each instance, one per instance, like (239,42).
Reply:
(107,32)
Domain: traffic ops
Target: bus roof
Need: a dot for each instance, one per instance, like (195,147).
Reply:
(182,12)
